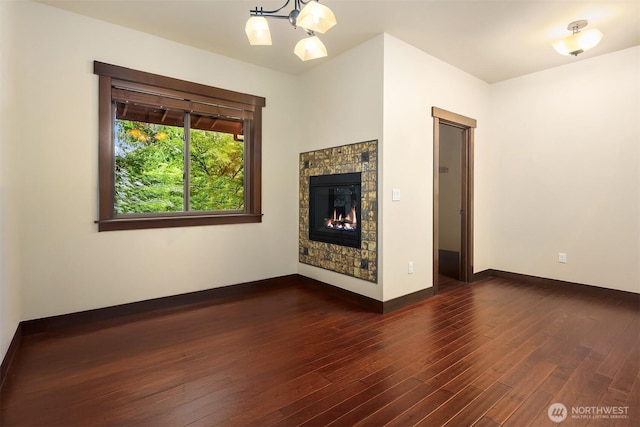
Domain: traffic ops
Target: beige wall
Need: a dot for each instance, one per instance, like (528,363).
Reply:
(10,306)
(346,104)
(413,83)
(66,265)
(564,173)
(343,106)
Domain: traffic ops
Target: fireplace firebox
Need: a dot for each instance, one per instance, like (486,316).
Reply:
(334,209)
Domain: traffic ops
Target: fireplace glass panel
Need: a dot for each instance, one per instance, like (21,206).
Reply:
(334,209)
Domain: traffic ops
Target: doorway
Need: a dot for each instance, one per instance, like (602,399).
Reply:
(452,198)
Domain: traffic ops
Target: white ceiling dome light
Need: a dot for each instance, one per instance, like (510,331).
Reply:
(578,41)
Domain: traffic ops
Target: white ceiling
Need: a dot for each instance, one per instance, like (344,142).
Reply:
(492,40)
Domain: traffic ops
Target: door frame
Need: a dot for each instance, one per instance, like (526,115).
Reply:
(468,125)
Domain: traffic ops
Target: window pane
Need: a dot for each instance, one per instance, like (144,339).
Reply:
(149,160)
(216,178)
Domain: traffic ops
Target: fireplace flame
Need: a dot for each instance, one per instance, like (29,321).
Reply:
(351,222)
(338,222)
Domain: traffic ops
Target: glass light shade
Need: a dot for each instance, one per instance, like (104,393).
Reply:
(310,48)
(578,42)
(316,17)
(257,30)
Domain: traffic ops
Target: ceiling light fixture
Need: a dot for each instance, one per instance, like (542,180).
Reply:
(309,15)
(578,41)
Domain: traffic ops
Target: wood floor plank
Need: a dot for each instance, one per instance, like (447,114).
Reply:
(632,406)
(397,408)
(451,407)
(479,407)
(270,399)
(571,394)
(442,359)
(420,410)
(628,371)
(528,380)
(620,350)
(567,356)
(312,409)
(536,403)
(356,400)
(485,422)
(611,323)
(374,404)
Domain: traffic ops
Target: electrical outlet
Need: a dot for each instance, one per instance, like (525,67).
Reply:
(410,267)
(562,258)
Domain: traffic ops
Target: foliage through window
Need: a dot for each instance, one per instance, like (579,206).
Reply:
(150,169)
(174,153)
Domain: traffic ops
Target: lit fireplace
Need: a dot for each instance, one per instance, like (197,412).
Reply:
(334,206)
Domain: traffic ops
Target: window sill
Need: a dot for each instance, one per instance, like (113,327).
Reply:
(135,223)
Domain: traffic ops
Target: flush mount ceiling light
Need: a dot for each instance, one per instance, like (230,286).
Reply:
(309,15)
(578,41)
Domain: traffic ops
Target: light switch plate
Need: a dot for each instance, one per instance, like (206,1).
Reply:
(395,194)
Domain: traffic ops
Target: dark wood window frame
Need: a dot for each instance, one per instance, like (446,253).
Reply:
(203,98)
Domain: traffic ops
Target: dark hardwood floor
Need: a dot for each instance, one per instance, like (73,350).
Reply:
(497,352)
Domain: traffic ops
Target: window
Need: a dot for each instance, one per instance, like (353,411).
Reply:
(174,153)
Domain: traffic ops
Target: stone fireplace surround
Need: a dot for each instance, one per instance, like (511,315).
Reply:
(362,262)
